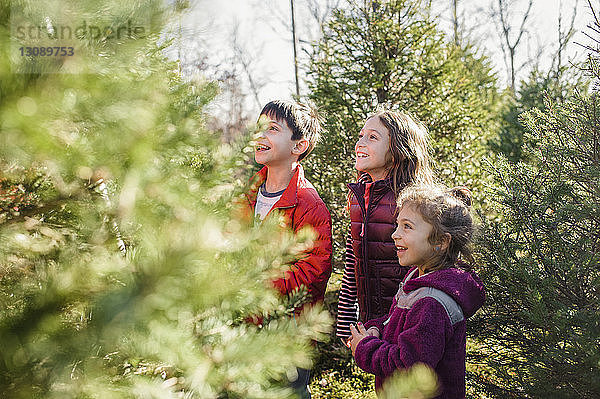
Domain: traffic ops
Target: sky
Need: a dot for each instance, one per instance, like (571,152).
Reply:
(264,43)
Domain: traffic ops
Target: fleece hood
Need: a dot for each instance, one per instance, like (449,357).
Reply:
(463,286)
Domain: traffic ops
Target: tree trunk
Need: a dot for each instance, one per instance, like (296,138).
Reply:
(295,44)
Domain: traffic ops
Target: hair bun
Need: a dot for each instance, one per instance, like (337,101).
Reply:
(463,194)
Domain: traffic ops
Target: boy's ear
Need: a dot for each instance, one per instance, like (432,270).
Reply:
(445,241)
(300,147)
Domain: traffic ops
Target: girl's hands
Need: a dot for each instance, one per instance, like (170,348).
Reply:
(358,334)
(373,331)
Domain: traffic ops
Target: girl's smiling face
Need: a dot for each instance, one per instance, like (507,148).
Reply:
(372,149)
(411,238)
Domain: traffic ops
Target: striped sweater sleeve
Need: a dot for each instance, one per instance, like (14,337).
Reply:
(347,303)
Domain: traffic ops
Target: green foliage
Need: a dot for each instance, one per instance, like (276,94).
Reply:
(79,319)
(539,332)
(336,375)
(532,93)
(395,55)
(418,382)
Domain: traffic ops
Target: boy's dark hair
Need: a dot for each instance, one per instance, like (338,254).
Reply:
(302,119)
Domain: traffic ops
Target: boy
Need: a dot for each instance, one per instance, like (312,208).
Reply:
(292,132)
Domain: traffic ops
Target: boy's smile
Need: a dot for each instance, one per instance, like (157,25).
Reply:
(274,145)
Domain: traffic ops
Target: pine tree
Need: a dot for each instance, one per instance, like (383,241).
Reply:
(77,317)
(392,53)
(532,92)
(538,334)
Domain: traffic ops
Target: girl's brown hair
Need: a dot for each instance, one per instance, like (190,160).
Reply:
(409,149)
(448,211)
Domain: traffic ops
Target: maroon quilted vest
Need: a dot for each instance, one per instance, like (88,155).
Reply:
(378,274)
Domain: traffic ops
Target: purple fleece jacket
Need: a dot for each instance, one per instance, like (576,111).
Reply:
(425,331)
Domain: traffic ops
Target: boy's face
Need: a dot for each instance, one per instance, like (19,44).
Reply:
(275,146)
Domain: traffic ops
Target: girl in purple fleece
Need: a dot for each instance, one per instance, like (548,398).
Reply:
(426,323)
